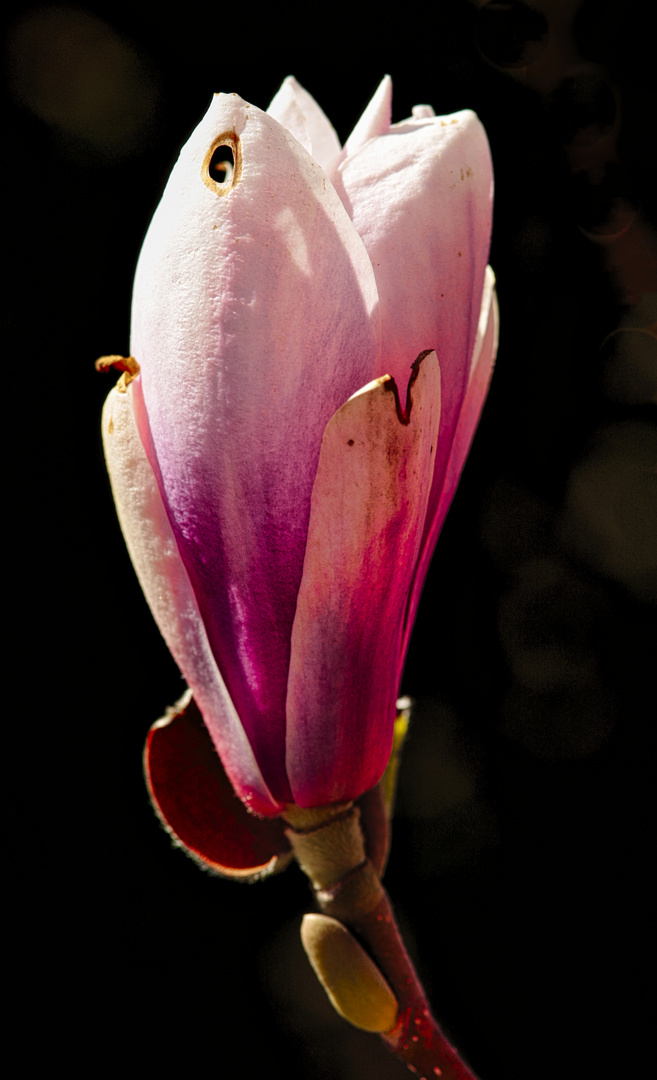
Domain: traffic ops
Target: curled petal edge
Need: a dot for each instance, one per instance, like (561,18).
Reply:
(195,801)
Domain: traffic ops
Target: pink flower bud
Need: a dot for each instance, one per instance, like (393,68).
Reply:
(279,492)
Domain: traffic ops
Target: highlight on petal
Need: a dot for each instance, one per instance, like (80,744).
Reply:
(298,111)
(197,805)
(164,580)
(367,515)
(243,362)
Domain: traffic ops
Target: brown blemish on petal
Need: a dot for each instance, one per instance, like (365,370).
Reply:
(126,364)
(404,415)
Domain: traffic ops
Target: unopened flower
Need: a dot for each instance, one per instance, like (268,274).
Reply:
(314,328)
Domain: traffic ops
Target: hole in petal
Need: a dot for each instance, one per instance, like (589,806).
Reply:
(222,166)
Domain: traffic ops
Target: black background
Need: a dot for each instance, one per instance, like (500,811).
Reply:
(519,863)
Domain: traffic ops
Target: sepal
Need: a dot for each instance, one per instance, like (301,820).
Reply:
(195,802)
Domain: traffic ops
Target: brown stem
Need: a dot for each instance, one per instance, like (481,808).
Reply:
(416,1037)
(329,846)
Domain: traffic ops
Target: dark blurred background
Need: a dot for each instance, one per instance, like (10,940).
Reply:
(519,867)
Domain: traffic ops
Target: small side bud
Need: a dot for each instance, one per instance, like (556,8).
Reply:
(354,985)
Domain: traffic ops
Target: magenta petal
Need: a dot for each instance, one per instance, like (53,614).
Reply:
(367,516)
(195,801)
(254,318)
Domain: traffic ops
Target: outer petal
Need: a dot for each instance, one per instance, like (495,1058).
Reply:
(297,111)
(481,370)
(162,576)
(421,198)
(254,319)
(366,522)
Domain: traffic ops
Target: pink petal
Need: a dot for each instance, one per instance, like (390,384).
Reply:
(163,578)
(481,370)
(367,516)
(254,318)
(375,120)
(421,198)
(422,112)
(297,111)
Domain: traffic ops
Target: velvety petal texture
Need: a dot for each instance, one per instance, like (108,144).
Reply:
(315,330)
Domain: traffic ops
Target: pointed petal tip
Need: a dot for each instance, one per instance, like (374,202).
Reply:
(298,112)
(375,119)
